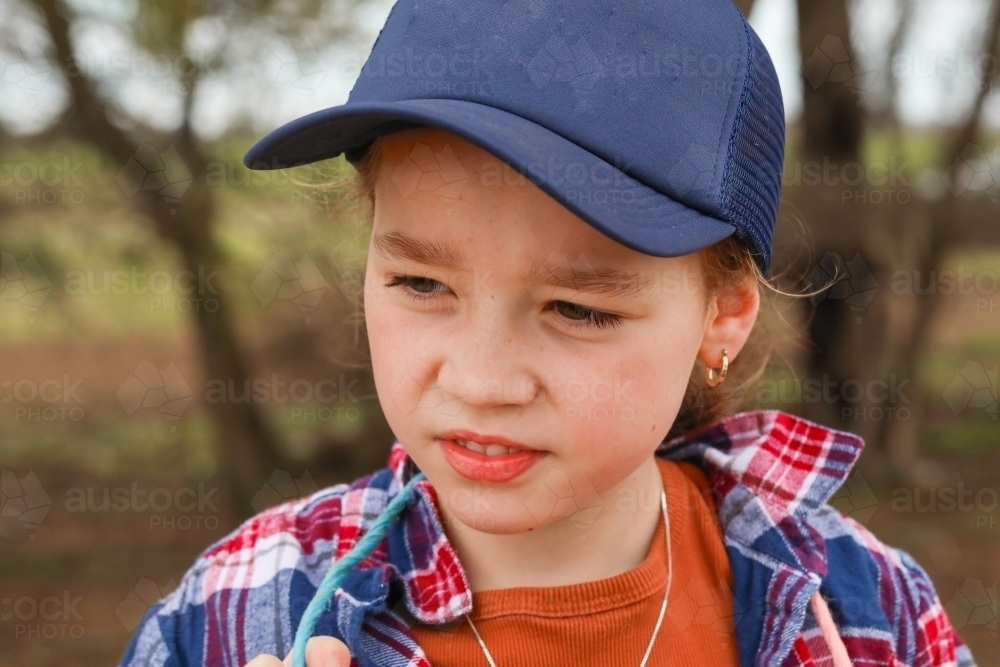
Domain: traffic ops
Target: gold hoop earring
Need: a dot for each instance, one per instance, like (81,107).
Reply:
(713,379)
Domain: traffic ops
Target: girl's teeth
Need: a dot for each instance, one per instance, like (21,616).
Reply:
(488,450)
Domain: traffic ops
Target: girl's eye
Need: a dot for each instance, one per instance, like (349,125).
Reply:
(419,288)
(591,317)
(416,287)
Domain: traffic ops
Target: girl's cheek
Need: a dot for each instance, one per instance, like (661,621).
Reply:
(629,411)
(389,354)
(609,447)
(608,435)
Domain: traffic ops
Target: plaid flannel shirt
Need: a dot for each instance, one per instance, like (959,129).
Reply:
(772,475)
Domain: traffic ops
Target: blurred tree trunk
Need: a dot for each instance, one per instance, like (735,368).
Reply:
(831,134)
(832,118)
(249,450)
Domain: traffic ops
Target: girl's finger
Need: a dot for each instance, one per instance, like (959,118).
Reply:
(327,652)
(320,652)
(264,661)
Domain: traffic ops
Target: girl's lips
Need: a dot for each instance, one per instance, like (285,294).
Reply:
(482,468)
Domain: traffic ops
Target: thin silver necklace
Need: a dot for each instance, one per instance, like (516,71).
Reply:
(663,607)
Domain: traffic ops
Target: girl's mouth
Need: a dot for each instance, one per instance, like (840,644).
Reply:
(488,463)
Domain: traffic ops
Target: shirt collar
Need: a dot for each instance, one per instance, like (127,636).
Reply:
(791,464)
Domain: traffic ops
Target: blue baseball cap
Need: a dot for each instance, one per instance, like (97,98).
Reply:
(658,122)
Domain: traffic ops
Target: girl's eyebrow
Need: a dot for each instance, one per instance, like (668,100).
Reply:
(608,281)
(397,245)
(594,280)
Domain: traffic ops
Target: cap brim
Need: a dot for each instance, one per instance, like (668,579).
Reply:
(611,201)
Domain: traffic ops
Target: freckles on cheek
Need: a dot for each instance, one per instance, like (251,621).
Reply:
(406,357)
(390,351)
(390,325)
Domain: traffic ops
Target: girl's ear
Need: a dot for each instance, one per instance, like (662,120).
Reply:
(730,317)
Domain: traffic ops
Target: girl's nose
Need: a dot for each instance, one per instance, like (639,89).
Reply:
(484,384)
(488,368)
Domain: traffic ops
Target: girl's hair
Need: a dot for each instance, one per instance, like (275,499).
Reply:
(727,264)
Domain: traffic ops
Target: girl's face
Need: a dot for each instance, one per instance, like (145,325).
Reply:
(493,309)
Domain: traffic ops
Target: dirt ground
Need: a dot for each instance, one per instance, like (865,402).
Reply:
(68,587)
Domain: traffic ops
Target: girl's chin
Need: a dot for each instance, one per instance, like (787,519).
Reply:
(489,516)
(488,524)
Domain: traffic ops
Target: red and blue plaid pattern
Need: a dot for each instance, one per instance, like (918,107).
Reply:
(772,475)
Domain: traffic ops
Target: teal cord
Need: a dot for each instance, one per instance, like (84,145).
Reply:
(336,574)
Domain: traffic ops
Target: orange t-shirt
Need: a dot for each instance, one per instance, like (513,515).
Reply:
(609,622)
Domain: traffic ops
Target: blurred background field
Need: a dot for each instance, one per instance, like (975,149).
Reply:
(122,373)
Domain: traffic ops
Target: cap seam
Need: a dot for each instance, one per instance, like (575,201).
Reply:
(737,125)
(727,176)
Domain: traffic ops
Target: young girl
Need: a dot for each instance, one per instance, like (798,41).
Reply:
(573,206)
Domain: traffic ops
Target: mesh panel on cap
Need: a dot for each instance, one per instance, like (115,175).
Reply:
(751,184)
